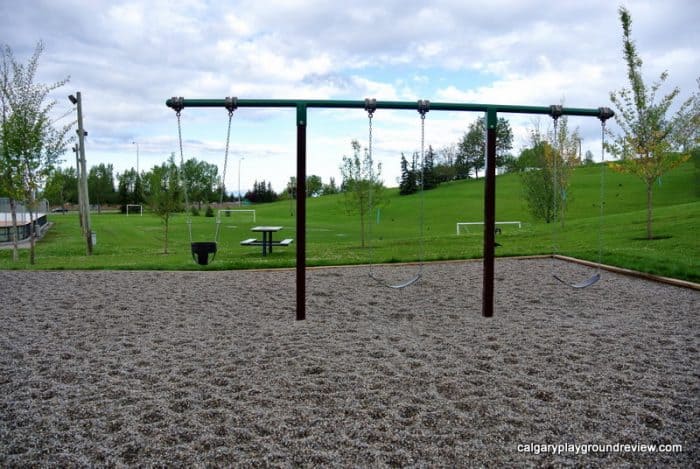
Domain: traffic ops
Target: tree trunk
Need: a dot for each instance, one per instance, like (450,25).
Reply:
(650,188)
(15,246)
(32,231)
(362,227)
(165,246)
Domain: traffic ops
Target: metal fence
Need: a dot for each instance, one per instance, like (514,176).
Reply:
(24,220)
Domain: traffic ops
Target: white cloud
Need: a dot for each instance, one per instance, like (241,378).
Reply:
(127,57)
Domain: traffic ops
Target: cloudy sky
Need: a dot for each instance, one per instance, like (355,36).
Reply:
(127,58)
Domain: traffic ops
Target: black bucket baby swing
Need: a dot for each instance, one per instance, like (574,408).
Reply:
(203,252)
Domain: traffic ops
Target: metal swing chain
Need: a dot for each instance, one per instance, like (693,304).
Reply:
(369,106)
(602,193)
(555,194)
(421,220)
(604,113)
(423,108)
(182,167)
(231,106)
(228,139)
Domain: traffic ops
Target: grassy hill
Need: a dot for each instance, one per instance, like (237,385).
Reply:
(333,236)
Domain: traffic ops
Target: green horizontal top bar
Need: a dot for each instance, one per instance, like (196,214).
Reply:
(320,103)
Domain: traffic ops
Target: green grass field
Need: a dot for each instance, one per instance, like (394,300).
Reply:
(333,236)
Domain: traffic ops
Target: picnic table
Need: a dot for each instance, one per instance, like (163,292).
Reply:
(266,242)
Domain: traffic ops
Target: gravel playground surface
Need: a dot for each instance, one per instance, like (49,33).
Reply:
(192,369)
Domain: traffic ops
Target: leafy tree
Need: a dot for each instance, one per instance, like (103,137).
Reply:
(101,185)
(62,187)
(291,190)
(31,144)
(165,194)
(362,185)
(201,179)
(695,155)
(472,148)
(545,170)
(131,188)
(290,193)
(330,188)
(10,178)
(445,163)
(588,159)
(314,186)
(537,178)
(564,159)
(648,135)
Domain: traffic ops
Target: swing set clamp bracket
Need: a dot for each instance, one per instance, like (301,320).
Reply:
(605,113)
(177,103)
(370,106)
(423,107)
(556,111)
(231,103)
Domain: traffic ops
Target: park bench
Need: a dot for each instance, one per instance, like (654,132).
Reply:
(258,242)
(266,244)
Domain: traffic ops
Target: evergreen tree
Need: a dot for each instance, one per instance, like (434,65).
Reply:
(430,180)
(262,192)
(408,184)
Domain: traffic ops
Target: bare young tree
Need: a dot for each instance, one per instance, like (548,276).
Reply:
(31,142)
(165,195)
(362,185)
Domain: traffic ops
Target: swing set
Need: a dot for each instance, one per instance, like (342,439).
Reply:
(201,251)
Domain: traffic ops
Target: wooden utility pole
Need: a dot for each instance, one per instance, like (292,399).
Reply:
(76,150)
(87,230)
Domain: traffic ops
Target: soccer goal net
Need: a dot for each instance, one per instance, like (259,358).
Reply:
(134,208)
(230,212)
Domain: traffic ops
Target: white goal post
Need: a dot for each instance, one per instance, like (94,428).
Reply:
(218,213)
(140,208)
(467,223)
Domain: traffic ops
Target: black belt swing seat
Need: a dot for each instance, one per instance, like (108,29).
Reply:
(423,108)
(603,115)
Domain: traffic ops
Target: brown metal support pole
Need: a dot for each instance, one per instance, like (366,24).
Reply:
(301,211)
(489,214)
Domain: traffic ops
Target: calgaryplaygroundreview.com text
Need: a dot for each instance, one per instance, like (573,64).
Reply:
(573,448)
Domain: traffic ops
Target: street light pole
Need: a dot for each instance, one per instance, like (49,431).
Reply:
(77,100)
(137,155)
(240,203)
